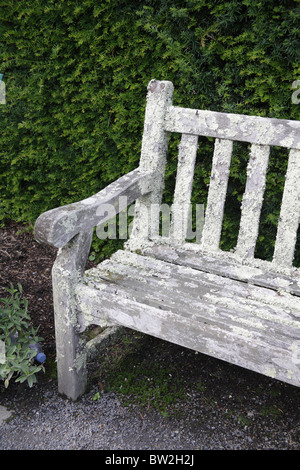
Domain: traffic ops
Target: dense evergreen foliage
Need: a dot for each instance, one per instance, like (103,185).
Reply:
(76,76)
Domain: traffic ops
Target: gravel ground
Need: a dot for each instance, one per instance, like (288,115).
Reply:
(223,408)
(54,423)
(59,424)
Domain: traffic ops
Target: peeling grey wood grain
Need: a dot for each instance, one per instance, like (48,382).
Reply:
(184,280)
(261,274)
(70,346)
(202,313)
(235,345)
(153,157)
(253,129)
(252,200)
(228,305)
(57,226)
(289,214)
(217,194)
(183,188)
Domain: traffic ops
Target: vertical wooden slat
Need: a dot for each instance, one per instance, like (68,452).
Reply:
(252,200)
(289,214)
(216,195)
(183,189)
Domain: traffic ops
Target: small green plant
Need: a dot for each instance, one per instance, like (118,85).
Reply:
(271,411)
(96,397)
(17,334)
(92,256)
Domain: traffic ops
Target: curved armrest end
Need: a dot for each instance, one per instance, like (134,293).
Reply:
(51,227)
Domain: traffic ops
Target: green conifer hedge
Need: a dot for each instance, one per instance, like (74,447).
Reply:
(76,76)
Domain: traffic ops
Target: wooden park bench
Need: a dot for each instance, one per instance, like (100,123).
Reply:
(229,305)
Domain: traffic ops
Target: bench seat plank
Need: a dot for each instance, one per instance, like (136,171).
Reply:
(247,325)
(228,265)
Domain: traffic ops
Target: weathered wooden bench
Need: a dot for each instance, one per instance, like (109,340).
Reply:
(228,305)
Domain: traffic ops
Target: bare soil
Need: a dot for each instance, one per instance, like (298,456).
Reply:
(24,261)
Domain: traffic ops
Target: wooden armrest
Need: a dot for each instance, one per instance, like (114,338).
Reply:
(58,226)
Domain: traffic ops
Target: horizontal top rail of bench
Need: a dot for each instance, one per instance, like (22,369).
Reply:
(238,127)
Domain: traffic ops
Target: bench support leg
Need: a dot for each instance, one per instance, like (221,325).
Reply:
(70,345)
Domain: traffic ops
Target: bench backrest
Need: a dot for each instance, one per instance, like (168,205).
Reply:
(162,117)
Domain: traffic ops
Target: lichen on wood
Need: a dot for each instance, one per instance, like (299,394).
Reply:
(230,305)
